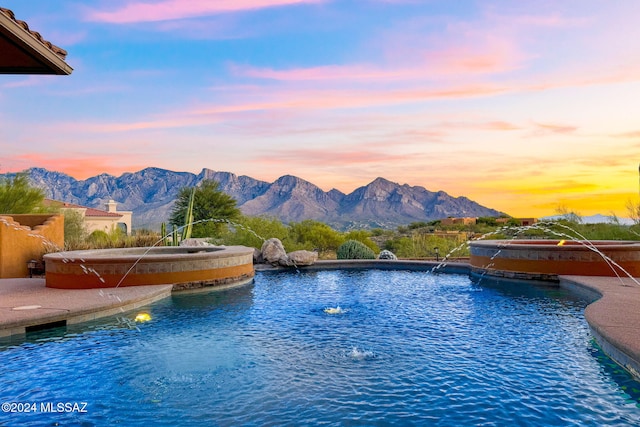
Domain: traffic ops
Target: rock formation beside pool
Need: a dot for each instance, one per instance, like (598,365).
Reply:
(300,258)
(273,252)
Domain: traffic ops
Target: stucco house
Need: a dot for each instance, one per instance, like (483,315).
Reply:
(97,219)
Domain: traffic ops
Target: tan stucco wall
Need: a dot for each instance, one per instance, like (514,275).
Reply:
(100,224)
(26,237)
(106,223)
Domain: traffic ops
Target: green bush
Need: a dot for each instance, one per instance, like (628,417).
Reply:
(314,235)
(99,239)
(75,232)
(353,249)
(364,237)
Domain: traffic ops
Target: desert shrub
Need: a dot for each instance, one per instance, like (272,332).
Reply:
(314,235)
(99,239)
(75,232)
(420,245)
(364,237)
(353,249)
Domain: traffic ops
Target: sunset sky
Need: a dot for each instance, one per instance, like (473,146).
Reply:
(521,106)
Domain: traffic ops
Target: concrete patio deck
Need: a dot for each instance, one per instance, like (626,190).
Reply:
(613,315)
(27,303)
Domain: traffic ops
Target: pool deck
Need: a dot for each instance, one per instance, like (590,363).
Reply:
(613,315)
(28,303)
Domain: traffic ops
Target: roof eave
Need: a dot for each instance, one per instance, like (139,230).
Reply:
(53,64)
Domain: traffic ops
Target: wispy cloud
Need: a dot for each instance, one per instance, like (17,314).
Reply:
(345,99)
(449,61)
(79,166)
(547,128)
(629,135)
(167,10)
(328,158)
(500,126)
(27,81)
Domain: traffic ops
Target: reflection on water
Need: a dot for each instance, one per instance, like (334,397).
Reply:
(395,348)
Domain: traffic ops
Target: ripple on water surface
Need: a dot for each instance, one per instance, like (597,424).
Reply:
(334,347)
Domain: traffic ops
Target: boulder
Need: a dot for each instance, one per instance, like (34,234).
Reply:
(300,258)
(385,254)
(257,256)
(272,251)
(193,242)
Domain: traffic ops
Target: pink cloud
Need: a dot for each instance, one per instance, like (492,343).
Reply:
(630,135)
(340,99)
(166,121)
(452,62)
(329,157)
(500,125)
(554,128)
(80,167)
(27,81)
(178,9)
(327,72)
(292,101)
(519,20)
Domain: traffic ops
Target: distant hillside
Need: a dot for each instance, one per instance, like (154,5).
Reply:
(150,194)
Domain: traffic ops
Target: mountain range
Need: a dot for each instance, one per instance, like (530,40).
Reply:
(151,192)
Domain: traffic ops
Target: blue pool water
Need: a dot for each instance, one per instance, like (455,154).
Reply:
(405,348)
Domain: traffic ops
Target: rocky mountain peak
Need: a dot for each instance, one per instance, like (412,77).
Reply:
(151,192)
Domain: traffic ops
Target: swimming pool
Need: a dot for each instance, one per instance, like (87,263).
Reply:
(398,348)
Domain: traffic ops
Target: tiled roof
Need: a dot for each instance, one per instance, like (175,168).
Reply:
(24,51)
(90,212)
(98,212)
(55,49)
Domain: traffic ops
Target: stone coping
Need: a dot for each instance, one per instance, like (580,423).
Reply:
(613,315)
(377,264)
(555,243)
(108,268)
(150,254)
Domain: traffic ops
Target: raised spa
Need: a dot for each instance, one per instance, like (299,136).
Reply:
(184,267)
(548,259)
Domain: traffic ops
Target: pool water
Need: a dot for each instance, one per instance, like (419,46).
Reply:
(398,348)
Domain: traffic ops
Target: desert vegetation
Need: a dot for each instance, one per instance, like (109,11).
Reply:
(414,241)
(418,240)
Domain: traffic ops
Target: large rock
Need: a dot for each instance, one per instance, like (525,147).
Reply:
(195,242)
(272,251)
(257,256)
(386,254)
(299,258)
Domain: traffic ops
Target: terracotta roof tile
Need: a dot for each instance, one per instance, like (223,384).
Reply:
(91,212)
(100,213)
(55,49)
